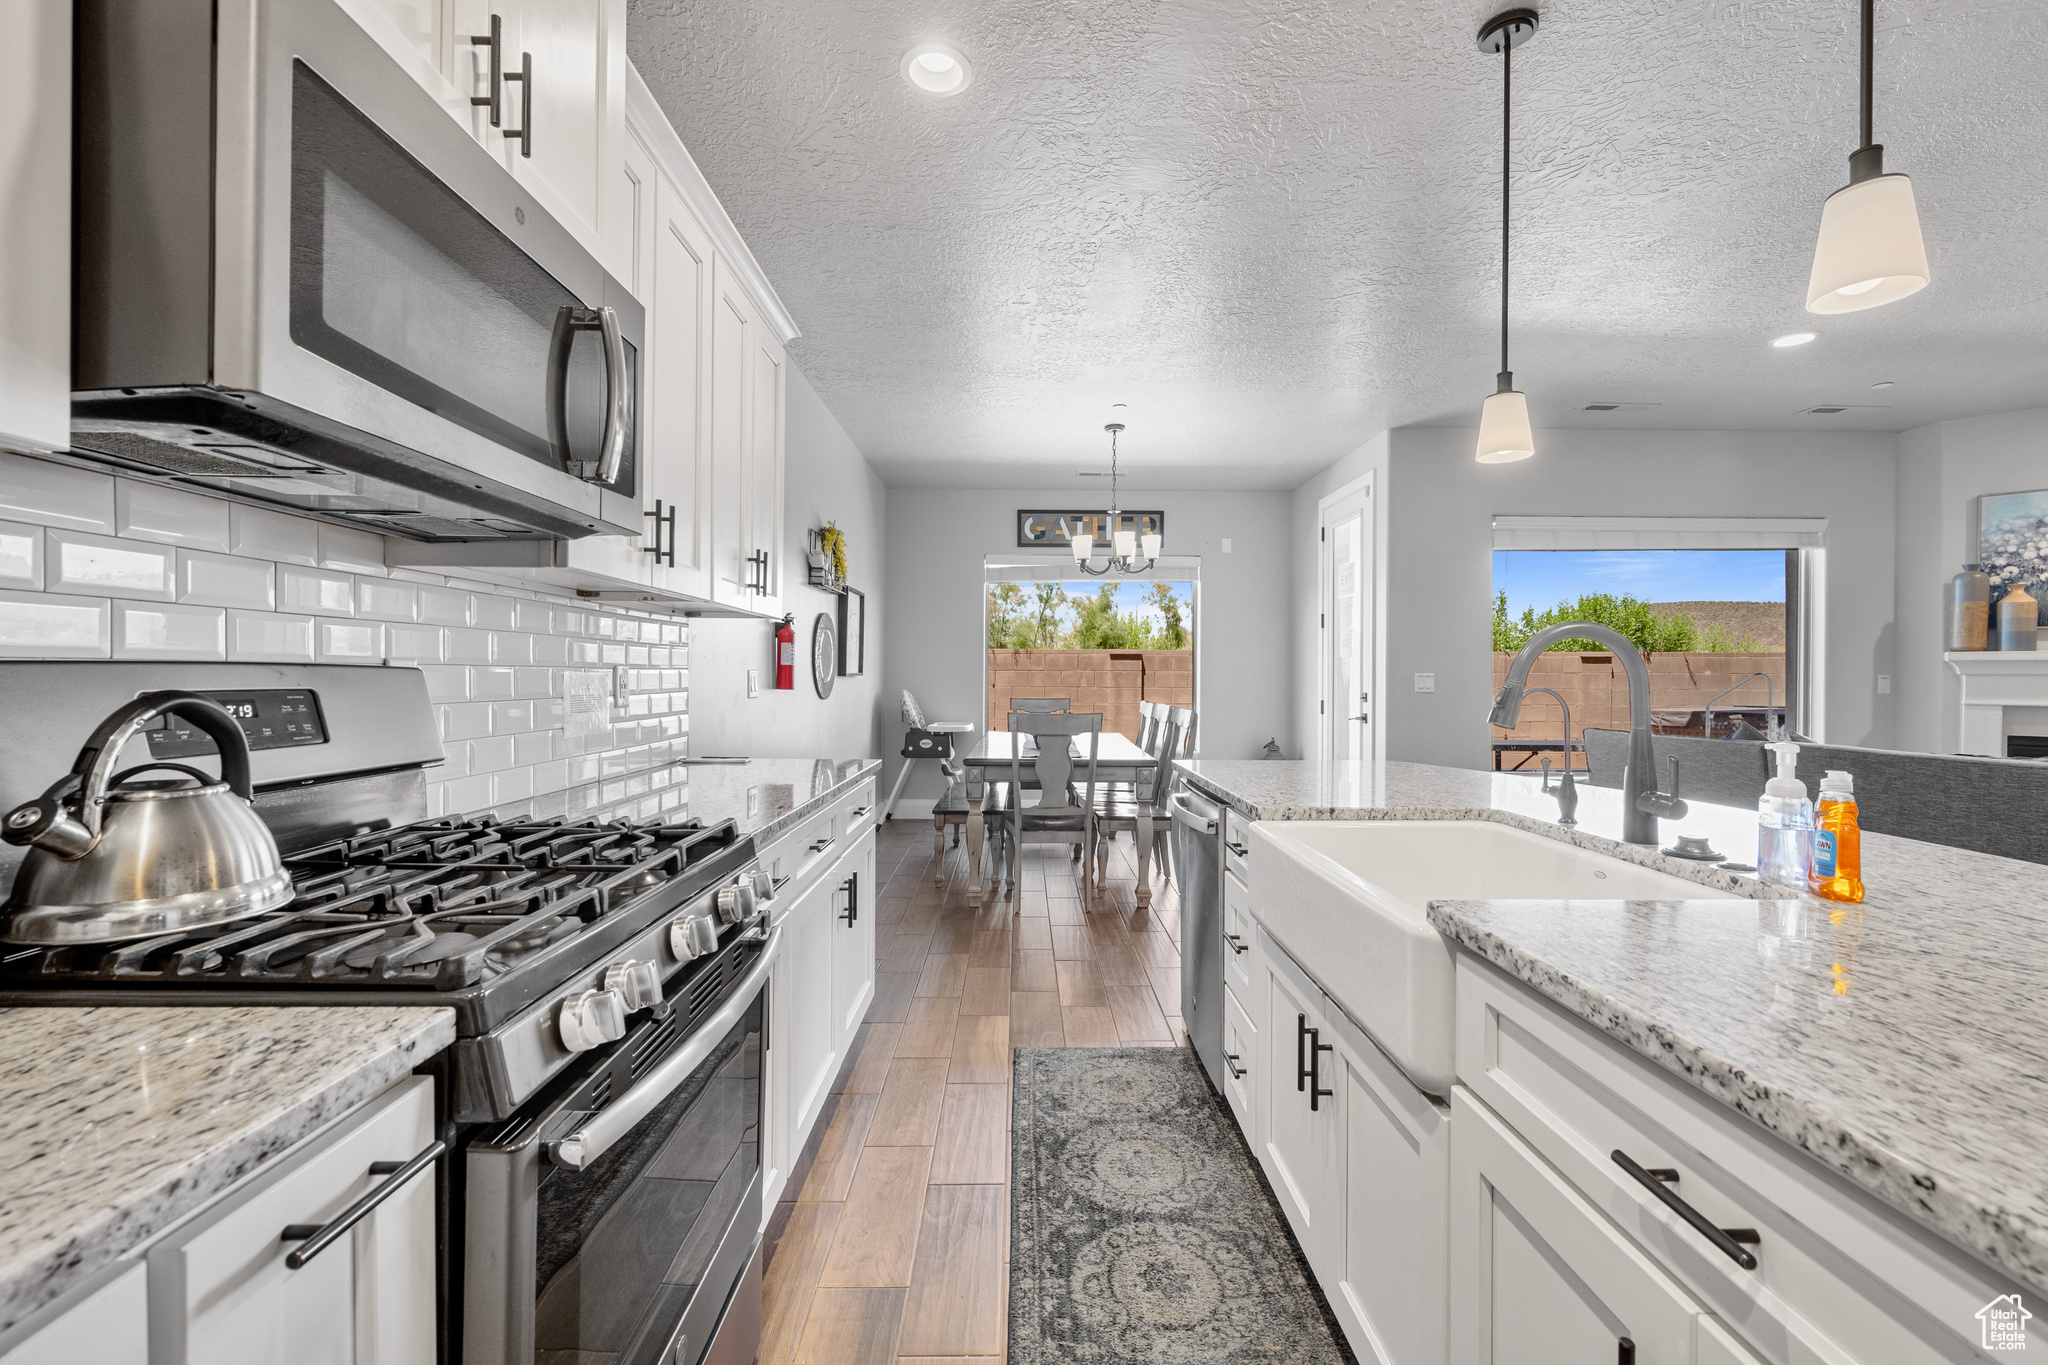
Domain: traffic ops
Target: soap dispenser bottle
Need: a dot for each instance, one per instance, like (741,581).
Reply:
(1837,842)
(1784,824)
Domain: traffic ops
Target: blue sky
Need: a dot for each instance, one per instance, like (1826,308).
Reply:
(1544,578)
(1130,594)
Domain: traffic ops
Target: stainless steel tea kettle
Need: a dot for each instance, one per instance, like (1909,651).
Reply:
(112,858)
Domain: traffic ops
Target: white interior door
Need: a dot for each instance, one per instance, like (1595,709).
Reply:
(1347,621)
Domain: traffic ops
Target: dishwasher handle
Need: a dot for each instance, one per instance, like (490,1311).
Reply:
(1185,812)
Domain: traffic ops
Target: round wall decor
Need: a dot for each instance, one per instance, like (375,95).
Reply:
(824,654)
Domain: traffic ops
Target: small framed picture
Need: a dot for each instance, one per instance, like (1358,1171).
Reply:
(853,632)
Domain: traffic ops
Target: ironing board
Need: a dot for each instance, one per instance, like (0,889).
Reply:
(926,739)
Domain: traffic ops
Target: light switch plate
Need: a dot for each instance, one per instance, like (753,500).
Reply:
(1884,684)
(1425,682)
(1226,544)
(753,682)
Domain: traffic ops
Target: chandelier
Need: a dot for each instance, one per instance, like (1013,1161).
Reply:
(1133,553)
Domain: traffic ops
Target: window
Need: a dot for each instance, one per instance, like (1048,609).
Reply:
(1103,644)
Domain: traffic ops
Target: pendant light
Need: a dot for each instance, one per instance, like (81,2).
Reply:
(1869,251)
(1504,433)
(1127,548)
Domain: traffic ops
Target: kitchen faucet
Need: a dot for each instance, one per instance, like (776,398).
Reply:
(1641,802)
(1566,791)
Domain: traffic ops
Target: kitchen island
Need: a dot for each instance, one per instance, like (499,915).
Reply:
(120,1122)
(1891,1050)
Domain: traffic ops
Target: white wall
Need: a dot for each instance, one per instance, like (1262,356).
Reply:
(825,478)
(937,642)
(1436,584)
(1943,470)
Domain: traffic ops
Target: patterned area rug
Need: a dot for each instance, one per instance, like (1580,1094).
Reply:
(1141,1229)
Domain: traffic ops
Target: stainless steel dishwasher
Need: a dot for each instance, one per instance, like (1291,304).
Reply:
(1198,867)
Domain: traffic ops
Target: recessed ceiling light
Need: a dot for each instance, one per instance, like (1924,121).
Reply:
(1793,339)
(937,69)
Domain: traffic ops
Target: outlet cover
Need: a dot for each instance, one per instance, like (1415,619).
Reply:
(753,682)
(1425,682)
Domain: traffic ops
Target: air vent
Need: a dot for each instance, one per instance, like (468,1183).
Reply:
(420,526)
(1830,409)
(144,450)
(1826,409)
(1616,407)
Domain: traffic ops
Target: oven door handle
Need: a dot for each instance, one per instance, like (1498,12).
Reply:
(595,1136)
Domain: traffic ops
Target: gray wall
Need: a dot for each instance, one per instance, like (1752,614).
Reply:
(1943,469)
(936,637)
(825,478)
(1436,584)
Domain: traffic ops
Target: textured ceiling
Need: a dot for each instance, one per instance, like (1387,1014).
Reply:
(1271,226)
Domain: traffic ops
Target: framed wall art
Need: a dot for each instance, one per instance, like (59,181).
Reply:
(853,632)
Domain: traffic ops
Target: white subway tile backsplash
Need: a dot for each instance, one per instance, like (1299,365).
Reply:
(79,562)
(260,533)
(444,606)
(53,494)
(350,642)
(169,630)
(213,580)
(151,511)
(92,566)
(319,591)
(21,556)
(265,637)
(384,599)
(36,625)
(498,613)
(344,547)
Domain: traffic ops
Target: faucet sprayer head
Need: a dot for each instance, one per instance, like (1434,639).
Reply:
(1507,704)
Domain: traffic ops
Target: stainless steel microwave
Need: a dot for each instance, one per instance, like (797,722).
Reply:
(299,282)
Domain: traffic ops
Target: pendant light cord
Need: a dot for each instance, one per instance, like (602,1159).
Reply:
(1869,23)
(1507,53)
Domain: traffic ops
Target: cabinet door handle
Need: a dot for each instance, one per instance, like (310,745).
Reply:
(1625,1352)
(524,75)
(320,1236)
(757,563)
(1301,1033)
(1727,1240)
(1237,945)
(822,845)
(662,519)
(1317,1047)
(495,41)
(1239,849)
(851,886)
(1237,1073)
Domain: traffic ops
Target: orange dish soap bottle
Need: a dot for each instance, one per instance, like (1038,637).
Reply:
(1837,842)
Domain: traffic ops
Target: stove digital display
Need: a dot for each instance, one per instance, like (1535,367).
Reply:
(276,718)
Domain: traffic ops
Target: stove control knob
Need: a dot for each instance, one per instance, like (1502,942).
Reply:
(729,906)
(638,983)
(704,935)
(590,1018)
(764,885)
(679,939)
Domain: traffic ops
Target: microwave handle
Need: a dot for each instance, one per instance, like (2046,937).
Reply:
(569,321)
(596,1134)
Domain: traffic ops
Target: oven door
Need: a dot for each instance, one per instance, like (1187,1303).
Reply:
(618,1222)
(387,303)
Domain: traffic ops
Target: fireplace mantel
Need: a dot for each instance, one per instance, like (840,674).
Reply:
(1994,683)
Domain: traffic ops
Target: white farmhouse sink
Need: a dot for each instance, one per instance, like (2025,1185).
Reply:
(1346,898)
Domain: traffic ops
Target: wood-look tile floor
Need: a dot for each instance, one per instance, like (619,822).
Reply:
(891,1243)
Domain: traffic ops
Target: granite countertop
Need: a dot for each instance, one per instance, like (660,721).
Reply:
(119,1121)
(1902,1043)
(765,796)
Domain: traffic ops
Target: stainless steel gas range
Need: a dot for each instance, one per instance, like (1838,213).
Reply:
(602,1104)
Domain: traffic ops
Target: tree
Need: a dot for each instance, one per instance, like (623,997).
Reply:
(1649,631)
(1052,606)
(1005,605)
(1173,633)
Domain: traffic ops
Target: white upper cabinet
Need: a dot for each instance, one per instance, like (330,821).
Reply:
(35,195)
(676,438)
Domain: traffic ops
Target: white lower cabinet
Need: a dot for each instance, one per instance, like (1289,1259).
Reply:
(1303,1146)
(1241,1060)
(222,1293)
(853,942)
(809,1043)
(1538,1275)
(104,1325)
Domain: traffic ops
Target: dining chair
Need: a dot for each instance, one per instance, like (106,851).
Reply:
(1063,814)
(1184,717)
(1041,706)
(1133,804)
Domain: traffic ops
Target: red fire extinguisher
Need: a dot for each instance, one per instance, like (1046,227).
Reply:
(785,655)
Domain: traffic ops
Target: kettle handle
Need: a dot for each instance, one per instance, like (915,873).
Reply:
(44,821)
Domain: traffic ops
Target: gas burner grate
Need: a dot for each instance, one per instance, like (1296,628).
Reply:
(442,904)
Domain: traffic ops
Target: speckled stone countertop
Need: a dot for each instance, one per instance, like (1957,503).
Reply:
(117,1122)
(1902,1043)
(765,796)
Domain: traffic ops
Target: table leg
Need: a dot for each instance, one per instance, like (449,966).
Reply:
(1144,838)
(939,848)
(975,793)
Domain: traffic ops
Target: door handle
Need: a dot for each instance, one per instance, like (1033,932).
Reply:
(661,519)
(495,41)
(1728,1241)
(1237,1073)
(1239,849)
(569,320)
(1237,945)
(524,75)
(320,1236)
(1301,1032)
(851,886)
(1315,1069)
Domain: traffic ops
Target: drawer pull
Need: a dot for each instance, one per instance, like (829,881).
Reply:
(1237,945)
(1237,1073)
(1624,1352)
(1239,849)
(318,1237)
(855,815)
(1727,1240)
(823,844)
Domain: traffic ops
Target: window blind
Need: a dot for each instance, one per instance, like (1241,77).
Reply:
(1019,569)
(1659,533)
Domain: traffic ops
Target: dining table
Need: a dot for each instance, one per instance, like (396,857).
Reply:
(989,764)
